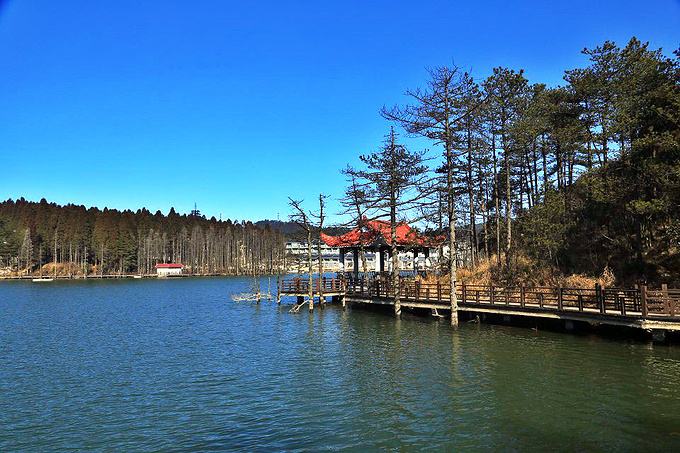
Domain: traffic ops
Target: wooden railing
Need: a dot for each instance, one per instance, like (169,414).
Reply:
(300,285)
(639,302)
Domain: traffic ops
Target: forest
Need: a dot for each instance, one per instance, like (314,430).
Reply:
(528,180)
(76,241)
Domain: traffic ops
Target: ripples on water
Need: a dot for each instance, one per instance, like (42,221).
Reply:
(175,365)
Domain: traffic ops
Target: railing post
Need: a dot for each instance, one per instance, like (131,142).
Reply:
(492,294)
(521,296)
(464,293)
(623,306)
(599,297)
(667,300)
(643,300)
(439,291)
(559,298)
(580,302)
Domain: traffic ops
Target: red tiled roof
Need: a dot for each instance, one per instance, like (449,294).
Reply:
(169,266)
(375,229)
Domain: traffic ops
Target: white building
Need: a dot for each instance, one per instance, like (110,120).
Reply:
(332,262)
(168,269)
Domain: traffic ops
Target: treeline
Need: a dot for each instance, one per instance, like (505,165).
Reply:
(79,240)
(579,177)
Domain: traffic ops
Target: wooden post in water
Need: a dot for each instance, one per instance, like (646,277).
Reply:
(278,290)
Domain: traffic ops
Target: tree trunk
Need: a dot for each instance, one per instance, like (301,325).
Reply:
(319,256)
(508,202)
(310,269)
(497,200)
(452,238)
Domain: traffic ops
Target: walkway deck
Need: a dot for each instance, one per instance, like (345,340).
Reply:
(638,308)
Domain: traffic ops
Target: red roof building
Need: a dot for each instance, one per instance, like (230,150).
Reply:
(378,233)
(169,269)
(169,266)
(375,236)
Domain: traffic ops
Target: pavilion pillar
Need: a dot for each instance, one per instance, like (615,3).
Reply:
(382,260)
(415,262)
(342,259)
(355,254)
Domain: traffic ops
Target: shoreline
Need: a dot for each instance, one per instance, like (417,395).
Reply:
(123,277)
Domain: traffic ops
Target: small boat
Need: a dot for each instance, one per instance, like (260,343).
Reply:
(38,280)
(136,276)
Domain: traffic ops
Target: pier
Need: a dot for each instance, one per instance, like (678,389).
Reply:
(654,310)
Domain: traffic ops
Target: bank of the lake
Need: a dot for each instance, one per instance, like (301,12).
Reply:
(175,364)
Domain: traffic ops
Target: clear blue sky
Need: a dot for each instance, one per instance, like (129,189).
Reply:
(234,104)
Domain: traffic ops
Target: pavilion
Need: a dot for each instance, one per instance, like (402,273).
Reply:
(375,236)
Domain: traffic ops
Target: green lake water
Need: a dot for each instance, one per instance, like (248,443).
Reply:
(175,365)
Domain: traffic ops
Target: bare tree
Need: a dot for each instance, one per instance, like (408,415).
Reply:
(321,217)
(310,221)
(357,204)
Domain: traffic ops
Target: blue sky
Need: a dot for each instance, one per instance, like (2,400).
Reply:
(238,105)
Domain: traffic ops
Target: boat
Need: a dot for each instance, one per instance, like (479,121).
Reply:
(38,280)
(136,276)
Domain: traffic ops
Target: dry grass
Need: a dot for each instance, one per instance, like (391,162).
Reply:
(62,269)
(527,272)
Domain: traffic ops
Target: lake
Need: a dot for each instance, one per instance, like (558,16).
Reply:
(176,365)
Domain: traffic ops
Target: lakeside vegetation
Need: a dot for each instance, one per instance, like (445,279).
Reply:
(533,183)
(77,240)
(582,178)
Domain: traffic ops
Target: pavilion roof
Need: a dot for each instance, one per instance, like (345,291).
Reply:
(378,231)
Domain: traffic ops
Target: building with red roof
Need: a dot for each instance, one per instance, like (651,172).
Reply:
(168,269)
(375,236)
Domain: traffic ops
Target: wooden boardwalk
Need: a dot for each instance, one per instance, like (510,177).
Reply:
(650,309)
(299,287)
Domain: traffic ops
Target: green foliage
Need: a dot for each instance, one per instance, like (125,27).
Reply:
(543,229)
(623,111)
(127,241)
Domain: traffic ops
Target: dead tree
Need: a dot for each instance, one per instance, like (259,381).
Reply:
(321,217)
(357,204)
(310,221)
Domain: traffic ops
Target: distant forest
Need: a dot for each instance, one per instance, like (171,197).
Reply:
(292,230)
(109,241)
